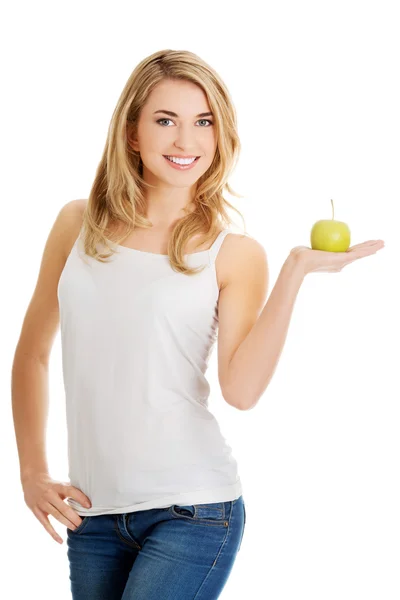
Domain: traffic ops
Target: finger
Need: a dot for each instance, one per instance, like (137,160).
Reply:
(46,524)
(62,512)
(360,254)
(69,491)
(368,251)
(369,244)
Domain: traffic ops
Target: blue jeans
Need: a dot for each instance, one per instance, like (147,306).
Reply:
(174,553)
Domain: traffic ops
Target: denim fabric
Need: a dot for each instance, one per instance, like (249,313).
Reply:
(174,553)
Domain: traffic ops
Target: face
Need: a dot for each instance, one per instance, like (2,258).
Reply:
(162,134)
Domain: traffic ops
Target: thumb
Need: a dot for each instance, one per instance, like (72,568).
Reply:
(76,494)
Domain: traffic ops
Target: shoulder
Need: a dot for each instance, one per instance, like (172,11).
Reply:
(73,209)
(76,207)
(71,215)
(243,246)
(240,253)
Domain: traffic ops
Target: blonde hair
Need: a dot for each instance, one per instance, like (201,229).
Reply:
(117,194)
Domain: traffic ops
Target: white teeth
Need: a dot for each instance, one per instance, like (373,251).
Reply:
(181,161)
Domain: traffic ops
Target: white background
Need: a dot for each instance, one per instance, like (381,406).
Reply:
(315,86)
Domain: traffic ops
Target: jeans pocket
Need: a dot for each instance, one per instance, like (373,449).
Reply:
(81,525)
(187,511)
(211,513)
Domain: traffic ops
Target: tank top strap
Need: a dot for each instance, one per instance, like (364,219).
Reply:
(213,251)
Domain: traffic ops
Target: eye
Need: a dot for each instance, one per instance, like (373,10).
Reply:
(206,120)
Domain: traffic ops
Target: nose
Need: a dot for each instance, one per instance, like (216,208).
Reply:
(186,139)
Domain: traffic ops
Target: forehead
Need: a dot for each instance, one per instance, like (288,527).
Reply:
(182,97)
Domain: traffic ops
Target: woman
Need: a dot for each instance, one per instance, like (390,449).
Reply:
(141,277)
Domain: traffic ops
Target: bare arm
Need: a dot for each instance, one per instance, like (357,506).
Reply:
(254,362)
(251,332)
(30,366)
(30,410)
(248,360)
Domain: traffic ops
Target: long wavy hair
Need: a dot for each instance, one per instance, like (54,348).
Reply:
(118,191)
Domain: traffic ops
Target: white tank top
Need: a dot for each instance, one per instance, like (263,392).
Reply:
(136,340)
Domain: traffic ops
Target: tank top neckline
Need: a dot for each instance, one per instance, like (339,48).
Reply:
(135,250)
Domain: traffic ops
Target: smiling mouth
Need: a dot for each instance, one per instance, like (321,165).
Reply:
(185,166)
(195,158)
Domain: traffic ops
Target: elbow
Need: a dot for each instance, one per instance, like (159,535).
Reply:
(246,401)
(242,403)
(251,400)
(232,401)
(248,405)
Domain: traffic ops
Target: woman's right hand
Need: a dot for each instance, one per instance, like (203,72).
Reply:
(45,496)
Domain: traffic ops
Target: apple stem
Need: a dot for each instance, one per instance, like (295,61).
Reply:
(333,211)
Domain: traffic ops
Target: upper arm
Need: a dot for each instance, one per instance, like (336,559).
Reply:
(41,320)
(241,301)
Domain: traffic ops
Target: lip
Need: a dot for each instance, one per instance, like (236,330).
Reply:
(182,167)
(182,155)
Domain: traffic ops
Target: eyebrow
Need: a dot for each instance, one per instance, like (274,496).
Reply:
(172,114)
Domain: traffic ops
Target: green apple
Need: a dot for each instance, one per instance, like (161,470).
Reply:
(330,235)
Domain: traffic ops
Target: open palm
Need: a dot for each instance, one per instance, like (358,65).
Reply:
(332,262)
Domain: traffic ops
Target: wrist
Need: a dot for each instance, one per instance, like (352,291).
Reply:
(295,265)
(31,473)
